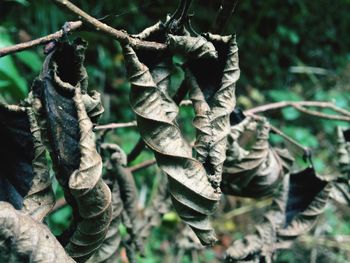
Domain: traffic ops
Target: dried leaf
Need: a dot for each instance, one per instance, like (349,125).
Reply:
(192,194)
(341,185)
(296,207)
(107,252)
(40,199)
(16,155)
(192,47)
(22,239)
(128,191)
(76,162)
(307,199)
(212,79)
(260,246)
(91,193)
(257,172)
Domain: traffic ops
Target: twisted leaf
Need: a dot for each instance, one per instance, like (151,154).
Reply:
(192,194)
(91,193)
(76,162)
(22,239)
(213,81)
(295,210)
(257,172)
(341,185)
(128,190)
(259,247)
(107,252)
(40,199)
(16,155)
(307,199)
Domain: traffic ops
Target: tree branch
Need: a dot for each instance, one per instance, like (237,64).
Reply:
(284,104)
(140,166)
(110,126)
(119,35)
(68,27)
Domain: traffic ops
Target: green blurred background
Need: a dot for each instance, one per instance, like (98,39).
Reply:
(280,43)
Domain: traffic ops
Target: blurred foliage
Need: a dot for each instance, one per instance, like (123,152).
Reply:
(273,37)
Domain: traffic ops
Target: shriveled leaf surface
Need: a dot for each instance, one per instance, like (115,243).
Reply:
(108,251)
(16,155)
(257,172)
(23,239)
(192,194)
(40,199)
(259,247)
(76,162)
(304,186)
(212,80)
(341,185)
(302,198)
(92,195)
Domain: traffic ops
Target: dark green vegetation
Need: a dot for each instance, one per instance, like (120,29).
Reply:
(274,37)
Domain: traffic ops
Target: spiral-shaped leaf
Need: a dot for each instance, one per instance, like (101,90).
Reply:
(302,198)
(40,199)
(23,239)
(307,199)
(341,185)
(213,80)
(107,252)
(192,194)
(78,166)
(92,195)
(257,172)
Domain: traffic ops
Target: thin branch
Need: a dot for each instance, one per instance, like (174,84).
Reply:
(284,104)
(140,166)
(321,114)
(226,9)
(68,27)
(115,126)
(119,35)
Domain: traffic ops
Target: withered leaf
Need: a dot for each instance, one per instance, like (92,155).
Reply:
(92,195)
(212,80)
(76,162)
(304,186)
(192,194)
(23,239)
(302,198)
(107,252)
(257,172)
(40,199)
(16,154)
(341,183)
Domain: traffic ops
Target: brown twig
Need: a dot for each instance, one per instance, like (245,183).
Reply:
(119,35)
(110,126)
(68,27)
(226,9)
(284,104)
(142,165)
(321,114)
